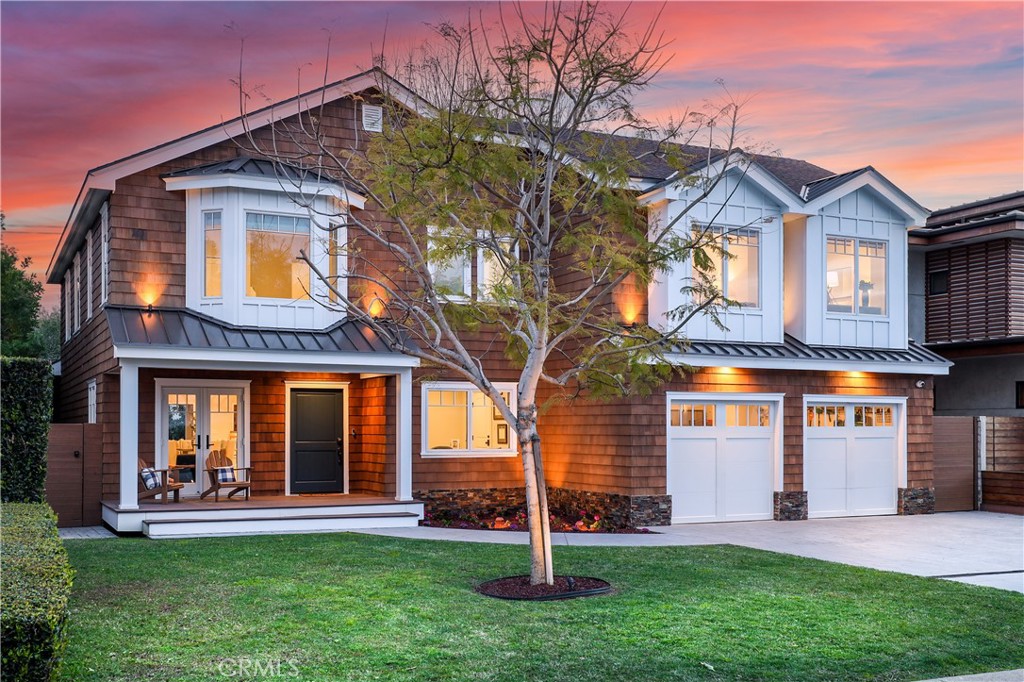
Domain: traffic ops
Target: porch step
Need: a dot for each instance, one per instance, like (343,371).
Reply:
(262,525)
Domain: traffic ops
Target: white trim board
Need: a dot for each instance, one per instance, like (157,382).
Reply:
(230,358)
(343,386)
(808,364)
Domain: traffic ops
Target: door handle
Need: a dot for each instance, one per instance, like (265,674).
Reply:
(207,441)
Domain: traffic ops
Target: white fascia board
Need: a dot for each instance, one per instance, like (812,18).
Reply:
(806,364)
(915,213)
(210,358)
(231,180)
(87,205)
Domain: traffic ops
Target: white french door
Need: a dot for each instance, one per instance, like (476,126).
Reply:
(196,420)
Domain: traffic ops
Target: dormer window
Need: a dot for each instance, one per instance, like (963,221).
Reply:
(273,246)
(737,275)
(855,276)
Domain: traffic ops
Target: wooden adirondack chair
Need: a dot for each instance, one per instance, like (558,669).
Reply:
(165,485)
(223,475)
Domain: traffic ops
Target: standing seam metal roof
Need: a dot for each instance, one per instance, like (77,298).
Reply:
(793,349)
(179,328)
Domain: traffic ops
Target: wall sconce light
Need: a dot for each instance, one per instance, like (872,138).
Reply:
(377,308)
(149,310)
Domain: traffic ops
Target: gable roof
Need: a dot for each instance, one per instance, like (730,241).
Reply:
(802,178)
(99,182)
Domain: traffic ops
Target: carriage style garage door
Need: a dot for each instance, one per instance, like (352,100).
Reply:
(851,456)
(722,456)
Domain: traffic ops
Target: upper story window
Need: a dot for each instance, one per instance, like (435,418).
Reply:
(453,273)
(460,421)
(738,275)
(855,278)
(273,246)
(213,254)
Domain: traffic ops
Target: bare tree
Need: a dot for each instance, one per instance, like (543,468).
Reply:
(523,154)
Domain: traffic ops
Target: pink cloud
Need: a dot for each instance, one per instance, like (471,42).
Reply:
(923,91)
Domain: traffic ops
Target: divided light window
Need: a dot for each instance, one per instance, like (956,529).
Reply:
(272,248)
(460,420)
(855,277)
(212,254)
(738,275)
(835,416)
(453,273)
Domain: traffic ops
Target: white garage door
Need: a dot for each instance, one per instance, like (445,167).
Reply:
(720,459)
(850,458)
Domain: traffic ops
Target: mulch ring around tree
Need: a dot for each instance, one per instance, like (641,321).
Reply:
(566,587)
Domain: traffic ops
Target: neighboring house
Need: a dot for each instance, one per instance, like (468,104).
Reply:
(969,308)
(187,330)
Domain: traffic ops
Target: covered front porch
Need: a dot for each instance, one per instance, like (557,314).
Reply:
(318,423)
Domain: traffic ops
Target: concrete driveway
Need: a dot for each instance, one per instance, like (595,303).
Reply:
(972,547)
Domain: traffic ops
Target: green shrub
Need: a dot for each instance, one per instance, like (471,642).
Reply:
(26,404)
(35,586)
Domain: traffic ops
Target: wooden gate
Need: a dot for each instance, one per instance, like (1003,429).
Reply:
(955,466)
(73,480)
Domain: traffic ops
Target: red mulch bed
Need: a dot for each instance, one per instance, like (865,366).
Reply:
(565,587)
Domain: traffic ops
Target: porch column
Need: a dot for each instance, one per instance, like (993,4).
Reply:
(403,433)
(129,436)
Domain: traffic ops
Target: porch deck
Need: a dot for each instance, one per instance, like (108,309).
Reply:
(192,517)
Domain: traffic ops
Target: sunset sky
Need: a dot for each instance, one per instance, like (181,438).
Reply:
(931,94)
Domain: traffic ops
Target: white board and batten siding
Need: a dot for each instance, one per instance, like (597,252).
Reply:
(736,203)
(862,214)
(234,305)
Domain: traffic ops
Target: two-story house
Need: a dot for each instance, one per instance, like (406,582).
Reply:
(969,307)
(190,329)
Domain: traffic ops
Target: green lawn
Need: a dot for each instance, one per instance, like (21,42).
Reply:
(343,607)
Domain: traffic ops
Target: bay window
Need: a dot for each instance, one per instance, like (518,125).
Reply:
(212,254)
(460,421)
(855,275)
(272,249)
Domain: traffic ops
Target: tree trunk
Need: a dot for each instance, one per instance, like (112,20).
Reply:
(536,505)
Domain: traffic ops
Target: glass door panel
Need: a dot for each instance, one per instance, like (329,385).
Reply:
(196,423)
(182,420)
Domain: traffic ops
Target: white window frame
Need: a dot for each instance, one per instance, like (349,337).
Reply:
(104,252)
(90,389)
(88,275)
(482,293)
(246,211)
(856,312)
(467,272)
(77,270)
(722,233)
(67,306)
(202,276)
(425,452)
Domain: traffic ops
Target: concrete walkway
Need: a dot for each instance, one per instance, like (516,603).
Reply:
(86,533)
(980,548)
(1005,676)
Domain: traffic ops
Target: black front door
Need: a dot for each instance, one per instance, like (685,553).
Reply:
(317,436)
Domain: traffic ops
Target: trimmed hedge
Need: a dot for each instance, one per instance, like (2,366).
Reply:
(35,587)
(26,405)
